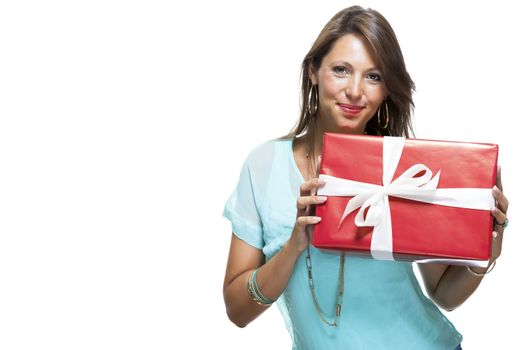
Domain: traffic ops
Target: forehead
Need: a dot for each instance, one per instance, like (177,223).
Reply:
(351,49)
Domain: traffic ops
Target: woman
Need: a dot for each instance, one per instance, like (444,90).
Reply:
(354,81)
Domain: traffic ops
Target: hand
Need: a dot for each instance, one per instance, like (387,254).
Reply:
(299,238)
(500,216)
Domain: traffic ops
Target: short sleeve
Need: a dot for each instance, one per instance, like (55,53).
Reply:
(241,210)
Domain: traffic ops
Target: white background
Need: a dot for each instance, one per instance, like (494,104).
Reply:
(123,128)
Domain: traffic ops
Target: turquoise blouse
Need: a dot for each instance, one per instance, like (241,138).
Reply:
(383,305)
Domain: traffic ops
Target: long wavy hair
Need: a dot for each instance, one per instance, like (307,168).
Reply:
(381,39)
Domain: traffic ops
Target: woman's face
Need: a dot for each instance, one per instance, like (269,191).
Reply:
(350,86)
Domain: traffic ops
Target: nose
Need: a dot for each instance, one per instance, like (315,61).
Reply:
(354,89)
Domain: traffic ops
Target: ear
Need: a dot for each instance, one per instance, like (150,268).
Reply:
(312,74)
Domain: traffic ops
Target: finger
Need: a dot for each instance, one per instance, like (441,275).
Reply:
(496,244)
(312,184)
(497,232)
(499,216)
(501,200)
(304,202)
(302,221)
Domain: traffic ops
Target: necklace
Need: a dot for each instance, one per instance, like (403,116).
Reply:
(341,286)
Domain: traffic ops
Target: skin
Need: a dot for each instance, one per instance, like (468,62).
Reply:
(450,286)
(347,76)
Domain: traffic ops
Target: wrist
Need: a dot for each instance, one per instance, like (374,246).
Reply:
(481,271)
(289,249)
(478,269)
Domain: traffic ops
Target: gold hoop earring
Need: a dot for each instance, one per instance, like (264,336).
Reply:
(379,116)
(312,105)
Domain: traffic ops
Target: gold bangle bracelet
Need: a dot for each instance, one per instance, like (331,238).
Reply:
(491,267)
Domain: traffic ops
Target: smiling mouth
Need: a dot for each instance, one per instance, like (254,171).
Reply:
(351,109)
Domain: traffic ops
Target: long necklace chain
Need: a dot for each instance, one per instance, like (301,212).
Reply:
(340,290)
(341,287)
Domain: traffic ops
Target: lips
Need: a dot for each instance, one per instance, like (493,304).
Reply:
(350,109)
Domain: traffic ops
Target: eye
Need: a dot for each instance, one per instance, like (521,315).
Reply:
(340,70)
(374,77)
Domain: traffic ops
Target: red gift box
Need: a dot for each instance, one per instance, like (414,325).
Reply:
(414,199)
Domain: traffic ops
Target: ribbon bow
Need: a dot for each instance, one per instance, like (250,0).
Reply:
(375,197)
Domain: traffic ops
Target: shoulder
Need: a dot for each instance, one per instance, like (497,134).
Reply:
(263,155)
(266,162)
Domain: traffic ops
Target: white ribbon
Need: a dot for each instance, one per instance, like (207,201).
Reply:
(375,197)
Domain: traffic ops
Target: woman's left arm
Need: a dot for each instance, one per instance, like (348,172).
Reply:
(449,285)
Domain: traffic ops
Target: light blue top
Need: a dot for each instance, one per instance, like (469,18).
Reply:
(383,306)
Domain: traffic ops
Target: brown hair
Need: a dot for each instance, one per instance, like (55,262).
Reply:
(381,39)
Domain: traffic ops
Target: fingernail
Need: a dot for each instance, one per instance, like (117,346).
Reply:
(316,219)
(495,190)
(494,210)
(321,181)
(494,234)
(321,198)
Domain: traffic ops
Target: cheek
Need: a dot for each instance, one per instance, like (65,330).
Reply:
(375,95)
(330,87)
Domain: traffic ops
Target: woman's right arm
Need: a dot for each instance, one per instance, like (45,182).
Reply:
(273,276)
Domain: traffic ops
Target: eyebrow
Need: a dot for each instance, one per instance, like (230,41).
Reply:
(373,68)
